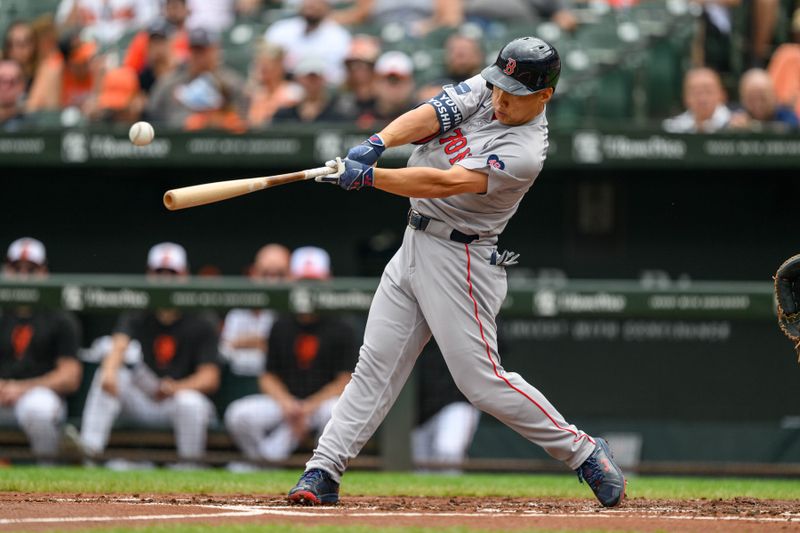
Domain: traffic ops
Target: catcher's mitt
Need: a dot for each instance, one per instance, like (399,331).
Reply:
(787,294)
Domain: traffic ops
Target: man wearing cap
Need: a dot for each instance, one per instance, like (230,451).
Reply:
(38,358)
(394,88)
(201,84)
(482,143)
(171,385)
(357,94)
(243,340)
(309,364)
(162,46)
(317,104)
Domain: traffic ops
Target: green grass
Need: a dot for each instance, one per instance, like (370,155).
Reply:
(75,480)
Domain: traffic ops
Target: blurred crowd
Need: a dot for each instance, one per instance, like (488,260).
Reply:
(118,61)
(163,368)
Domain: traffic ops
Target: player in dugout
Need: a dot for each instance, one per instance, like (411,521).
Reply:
(309,364)
(170,385)
(38,358)
(482,143)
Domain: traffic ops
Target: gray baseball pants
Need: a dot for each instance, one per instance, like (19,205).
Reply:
(450,290)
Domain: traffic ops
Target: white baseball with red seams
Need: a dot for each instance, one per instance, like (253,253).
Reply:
(436,286)
(141,133)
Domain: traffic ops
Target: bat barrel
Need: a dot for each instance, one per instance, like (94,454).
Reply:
(170,201)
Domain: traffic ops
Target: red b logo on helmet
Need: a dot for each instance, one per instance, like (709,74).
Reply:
(511,65)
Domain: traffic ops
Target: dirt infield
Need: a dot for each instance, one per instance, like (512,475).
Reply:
(42,512)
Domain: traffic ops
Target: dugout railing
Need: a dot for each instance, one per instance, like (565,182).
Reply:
(589,308)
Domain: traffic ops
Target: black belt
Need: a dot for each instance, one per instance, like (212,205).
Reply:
(420,222)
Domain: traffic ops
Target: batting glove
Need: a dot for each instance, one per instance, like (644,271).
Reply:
(368,152)
(349,175)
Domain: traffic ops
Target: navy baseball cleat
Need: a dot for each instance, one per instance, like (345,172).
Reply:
(316,487)
(603,475)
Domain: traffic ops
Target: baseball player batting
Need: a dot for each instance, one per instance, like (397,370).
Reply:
(481,145)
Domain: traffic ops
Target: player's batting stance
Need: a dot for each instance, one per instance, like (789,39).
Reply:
(482,144)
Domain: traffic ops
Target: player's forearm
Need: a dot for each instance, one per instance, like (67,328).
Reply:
(115,357)
(331,390)
(64,379)
(205,380)
(274,387)
(419,123)
(425,182)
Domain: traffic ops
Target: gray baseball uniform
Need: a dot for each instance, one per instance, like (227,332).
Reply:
(444,284)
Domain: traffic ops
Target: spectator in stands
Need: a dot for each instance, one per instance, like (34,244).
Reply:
(704,99)
(446,421)
(171,385)
(310,361)
(760,109)
(719,25)
(268,89)
(417,17)
(107,20)
(19,45)
(119,99)
(67,78)
(156,53)
(211,105)
(212,15)
(162,47)
(358,92)
(318,104)
(244,335)
(463,58)
(312,33)
(12,92)
(394,89)
(202,84)
(784,68)
(521,12)
(38,358)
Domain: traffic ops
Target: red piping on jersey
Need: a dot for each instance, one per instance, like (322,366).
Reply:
(494,365)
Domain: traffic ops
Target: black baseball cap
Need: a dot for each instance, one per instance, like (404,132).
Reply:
(200,38)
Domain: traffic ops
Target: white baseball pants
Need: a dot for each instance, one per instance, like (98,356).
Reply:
(189,412)
(445,437)
(257,425)
(40,413)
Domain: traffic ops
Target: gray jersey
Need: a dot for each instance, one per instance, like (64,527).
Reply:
(512,156)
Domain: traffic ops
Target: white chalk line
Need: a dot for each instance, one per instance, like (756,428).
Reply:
(238,511)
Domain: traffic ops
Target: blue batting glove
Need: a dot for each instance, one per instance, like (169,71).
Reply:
(356,175)
(367,152)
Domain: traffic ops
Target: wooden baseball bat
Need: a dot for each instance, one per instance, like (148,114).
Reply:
(208,193)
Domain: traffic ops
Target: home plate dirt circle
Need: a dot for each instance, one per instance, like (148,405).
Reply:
(43,512)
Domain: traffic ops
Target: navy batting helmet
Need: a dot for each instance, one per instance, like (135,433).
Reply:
(524,66)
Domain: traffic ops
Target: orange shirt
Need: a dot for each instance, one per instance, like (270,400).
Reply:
(264,104)
(222,120)
(136,56)
(784,69)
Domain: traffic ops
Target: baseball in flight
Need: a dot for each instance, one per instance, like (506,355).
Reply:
(141,133)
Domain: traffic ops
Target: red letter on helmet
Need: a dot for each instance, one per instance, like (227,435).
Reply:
(510,66)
